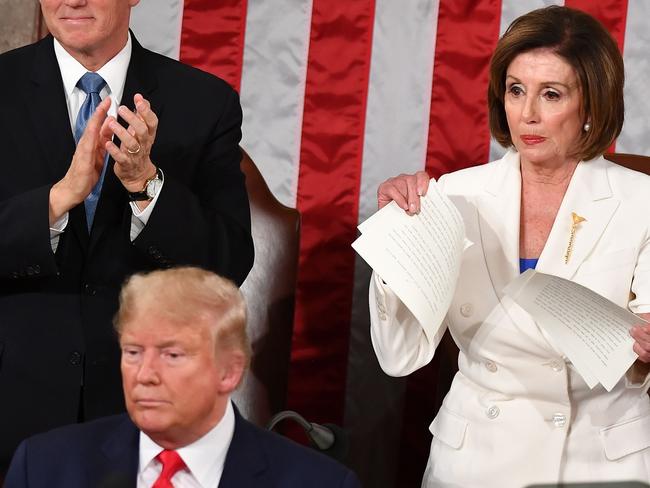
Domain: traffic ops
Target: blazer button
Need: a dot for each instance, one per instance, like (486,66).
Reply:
(382,316)
(89,290)
(492,412)
(491,366)
(75,358)
(556,365)
(559,420)
(466,309)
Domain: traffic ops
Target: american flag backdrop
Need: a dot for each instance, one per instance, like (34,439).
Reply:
(337,96)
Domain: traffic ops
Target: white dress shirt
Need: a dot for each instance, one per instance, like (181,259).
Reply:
(204,458)
(114,73)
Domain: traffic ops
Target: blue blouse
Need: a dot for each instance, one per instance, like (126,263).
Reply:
(525,264)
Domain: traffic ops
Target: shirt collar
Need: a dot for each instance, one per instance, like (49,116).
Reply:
(205,457)
(113,72)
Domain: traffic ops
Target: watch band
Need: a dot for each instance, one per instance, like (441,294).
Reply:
(138,196)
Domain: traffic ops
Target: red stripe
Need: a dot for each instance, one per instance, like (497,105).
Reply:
(212,37)
(328,199)
(459,134)
(613,15)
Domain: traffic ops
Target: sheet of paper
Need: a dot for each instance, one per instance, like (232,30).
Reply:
(418,256)
(592,331)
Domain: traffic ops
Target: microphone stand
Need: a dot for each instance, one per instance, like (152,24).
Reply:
(328,438)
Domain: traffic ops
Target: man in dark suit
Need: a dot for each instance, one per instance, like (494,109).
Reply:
(153,182)
(184,350)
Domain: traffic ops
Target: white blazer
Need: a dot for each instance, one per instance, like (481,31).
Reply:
(517,412)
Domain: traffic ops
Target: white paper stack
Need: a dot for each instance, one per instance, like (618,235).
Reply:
(419,255)
(592,331)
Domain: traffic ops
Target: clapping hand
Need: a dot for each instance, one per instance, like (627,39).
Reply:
(133,165)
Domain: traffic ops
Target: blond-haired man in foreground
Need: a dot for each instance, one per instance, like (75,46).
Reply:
(184,351)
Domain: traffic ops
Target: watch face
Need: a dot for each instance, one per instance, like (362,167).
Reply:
(153,187)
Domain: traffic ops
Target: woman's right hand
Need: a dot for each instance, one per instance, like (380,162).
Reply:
(406,190)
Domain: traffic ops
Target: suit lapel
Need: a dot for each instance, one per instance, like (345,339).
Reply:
(45,102)
(499,208)
(140,78)
(590,196)
(119,465)
(246,461)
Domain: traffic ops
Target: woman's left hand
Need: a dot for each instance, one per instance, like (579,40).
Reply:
(641,335)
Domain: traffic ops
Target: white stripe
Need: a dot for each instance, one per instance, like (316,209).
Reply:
(396,134)
(399,94)
(273,90)
(635,137)
(510,10)
(157,25)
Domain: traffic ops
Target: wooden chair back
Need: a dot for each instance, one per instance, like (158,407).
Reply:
(269,291)
(632,161)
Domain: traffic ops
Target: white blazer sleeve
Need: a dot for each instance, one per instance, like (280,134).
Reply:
(397,337)
(640,303)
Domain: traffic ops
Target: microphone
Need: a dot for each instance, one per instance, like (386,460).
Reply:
(330,439)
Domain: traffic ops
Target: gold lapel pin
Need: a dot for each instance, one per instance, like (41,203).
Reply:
(576,219)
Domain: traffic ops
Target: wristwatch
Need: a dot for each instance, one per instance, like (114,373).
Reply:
(150,188)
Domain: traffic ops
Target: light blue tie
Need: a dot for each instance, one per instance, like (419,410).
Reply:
(91,84)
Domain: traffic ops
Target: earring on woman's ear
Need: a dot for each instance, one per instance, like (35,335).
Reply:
(586,127)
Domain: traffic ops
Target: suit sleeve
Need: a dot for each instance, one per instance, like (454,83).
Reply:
(351,481)
(17,474)
(398,338)
(638,376)
(206,222)
(401,342)
(25,248)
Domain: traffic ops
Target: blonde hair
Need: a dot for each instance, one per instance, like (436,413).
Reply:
(186,296)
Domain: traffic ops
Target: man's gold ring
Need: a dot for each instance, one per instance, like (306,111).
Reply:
(134,151)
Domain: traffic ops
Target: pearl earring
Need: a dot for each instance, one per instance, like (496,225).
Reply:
(586,127)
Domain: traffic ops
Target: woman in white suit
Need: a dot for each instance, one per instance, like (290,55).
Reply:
(517,412)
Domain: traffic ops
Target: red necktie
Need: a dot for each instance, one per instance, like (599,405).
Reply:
(171,464)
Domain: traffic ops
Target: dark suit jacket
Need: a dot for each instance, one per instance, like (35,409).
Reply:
(56,309)
(104,453)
